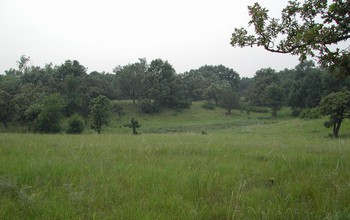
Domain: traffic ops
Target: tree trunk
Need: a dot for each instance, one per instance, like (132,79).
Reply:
(336,128)
(5,124)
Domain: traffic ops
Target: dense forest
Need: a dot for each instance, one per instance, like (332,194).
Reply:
(39,96)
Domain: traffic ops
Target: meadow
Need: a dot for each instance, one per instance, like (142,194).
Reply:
(191,164)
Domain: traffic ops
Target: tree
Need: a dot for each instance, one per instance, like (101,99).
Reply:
(337,106)
(76,125)
(306,88)
(23,64)
(6,108)
(163,87)
(274,98)
(100,111)
(262,79)
(48,121)
(130,79)
(311,28)
(229,100)
(134,124)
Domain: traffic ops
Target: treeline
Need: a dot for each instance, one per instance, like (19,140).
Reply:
(39,96)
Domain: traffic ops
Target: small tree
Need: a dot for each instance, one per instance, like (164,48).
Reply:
(134,124)
(229,100)
(274,98)
(337,106)
(100,111)
(48,120)
(76,125)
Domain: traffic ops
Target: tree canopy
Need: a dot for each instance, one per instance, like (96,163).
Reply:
(312,28)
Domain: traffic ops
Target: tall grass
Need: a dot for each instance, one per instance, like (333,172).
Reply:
(265,169)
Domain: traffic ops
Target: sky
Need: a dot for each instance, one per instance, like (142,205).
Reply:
(103,34)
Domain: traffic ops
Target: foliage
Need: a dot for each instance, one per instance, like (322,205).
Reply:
(118,109)
(306,87)
(134,124)
(208,106)
(337,106)
(6,107)
(309,28)
(130,79)
(100,111)
(148,106)
(229,100)
(309,113)
(262,79)
(48,120)
(32,113)
(76,125)
(274,98)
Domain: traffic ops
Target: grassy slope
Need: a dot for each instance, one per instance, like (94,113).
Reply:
(242,169)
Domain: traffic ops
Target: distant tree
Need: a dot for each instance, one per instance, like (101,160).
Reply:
(274,98)
(76,125)
(307,28)
(262,79)
(163,87)
(337,106)
(130,79)
(32,113)
(118,109)
(306,87)
(6,108)
(100,111)
(229,100)
(215,91)
(23,64)
(70,68)
(48,121)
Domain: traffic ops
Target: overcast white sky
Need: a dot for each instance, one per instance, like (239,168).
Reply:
(102,34)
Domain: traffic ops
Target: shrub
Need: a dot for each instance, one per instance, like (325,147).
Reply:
(148,106)
(48,120)
(208,106)
(309,113)
(258,109)
(76,125)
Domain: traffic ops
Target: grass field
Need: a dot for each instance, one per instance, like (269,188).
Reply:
(194,164)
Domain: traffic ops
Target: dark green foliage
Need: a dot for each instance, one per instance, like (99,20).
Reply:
(337,106)
(229,100)
(134,124)
(309,113)
(262,79)
(48,120)
(76,125)
(274,98)
(148,106)
(130,80)
(258,109)
(118,109)
(32,113)
(6,107)
(209,106)
(306,87)
(100,111)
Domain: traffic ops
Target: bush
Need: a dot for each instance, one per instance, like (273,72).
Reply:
(76,125)
(48,120)
(309,113)
(258,109)
(149,107)
(208,106)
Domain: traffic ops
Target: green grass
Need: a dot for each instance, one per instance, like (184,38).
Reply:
(258,168)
